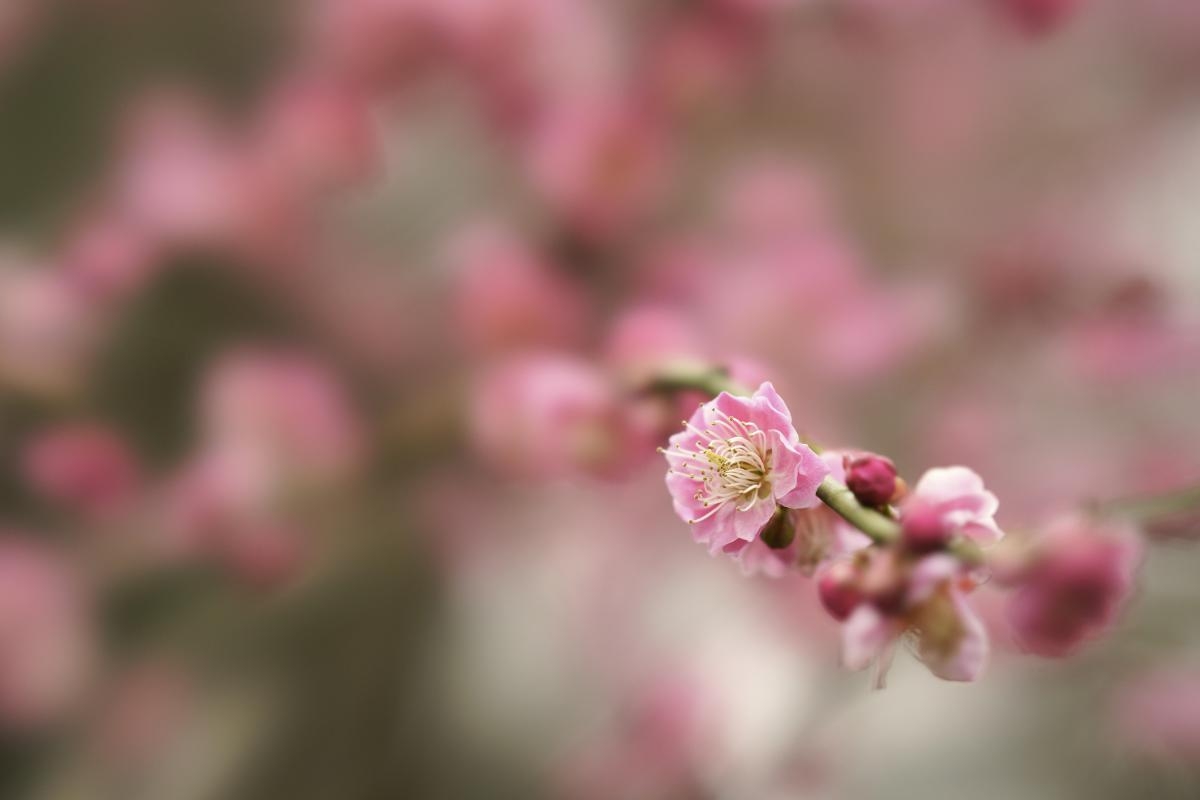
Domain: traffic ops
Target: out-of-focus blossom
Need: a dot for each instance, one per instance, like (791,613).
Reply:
(287,409)
(1077,580)
(541,416)
(1041,16)
(600,163)
(184,179)
(317,135)
(46,326)
(45,645)
(645,340)
(85,467)
(926,599)
(108,257)
(958,496)
(227,507)
(507,297)
(1157,714)
(738,459)
(375,43)
(278,432)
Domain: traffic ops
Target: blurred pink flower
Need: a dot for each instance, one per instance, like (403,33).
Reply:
(226,506)
(86,467)
(544,416)
(949,638)
(46,326)
(45,644)
(287,409)
(108,256)
(957,494)
(1157,714)
(735,462)
(1078,579)
(507,297)
(1041,16)
(645,339)
(317,134)
(599,162)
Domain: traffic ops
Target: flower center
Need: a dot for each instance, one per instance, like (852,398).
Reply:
(731,462)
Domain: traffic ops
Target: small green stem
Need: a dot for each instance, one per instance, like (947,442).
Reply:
(880,529)
(707,380)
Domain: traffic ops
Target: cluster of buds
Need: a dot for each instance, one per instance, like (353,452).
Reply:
(891,563)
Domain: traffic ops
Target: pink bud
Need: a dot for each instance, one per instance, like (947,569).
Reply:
(872,478)
(1040,16)
(838,590)
(924,528)
(83,466)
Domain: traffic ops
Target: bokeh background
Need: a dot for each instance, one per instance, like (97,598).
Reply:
(324,471)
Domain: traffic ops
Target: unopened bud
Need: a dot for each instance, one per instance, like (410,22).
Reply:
(872,478)
(780,530)
(839,591)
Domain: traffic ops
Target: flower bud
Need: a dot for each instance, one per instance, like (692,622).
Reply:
(924,528)
(872,478)
(838,590)
(780,530)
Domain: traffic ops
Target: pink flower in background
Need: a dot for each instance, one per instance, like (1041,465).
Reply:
(45,644)
(176,174)
(957,496)
(1041,16)
(1078,579)
(287,409)
(1157,714)
(737,460)
(507,297)
(109,257)
(86,467)
(544,416)
(317,134)
(646,339)
(229,506)
(600,163)
(46,326)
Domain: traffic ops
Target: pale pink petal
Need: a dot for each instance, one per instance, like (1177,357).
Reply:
(865,636)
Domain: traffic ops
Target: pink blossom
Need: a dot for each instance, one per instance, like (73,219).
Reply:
(1079,578)
(542,416)
(317,134)
(228,506)
(46,326)
(957,494)
(1041,16)
(735,462)
(949,638)
(599,161)
(87,467)
(45,644)
(508,297)
(285,407)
